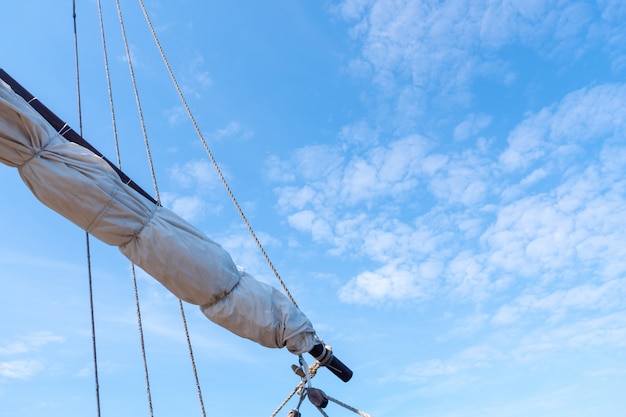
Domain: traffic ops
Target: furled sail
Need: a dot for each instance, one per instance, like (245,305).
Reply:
(78,183)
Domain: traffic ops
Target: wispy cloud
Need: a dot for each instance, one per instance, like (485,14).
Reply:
(234,130)
(518,346)
(196,77)
(555,305)
(193,182)
(23,367)
(196,174)
(247,254)
(19,369)
(463,214)
(443,48)
(28,344)
(471,126)
(582,119)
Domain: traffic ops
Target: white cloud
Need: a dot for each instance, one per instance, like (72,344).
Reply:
(391,282)
(352,9)
(472,124)
(197,174)
(196,77)
(359,133)
(19,369)
(584,334)
(30,343)
(233,130)
(189,208)
(420,54)
(176,115)
(604,296)
(200,179)
(526,144)
(535,176)
(517,346)
(246,253)
(383,171)
(302,220)
(465,179)
(582,118)
(297,198)
(320,161)
(467,278)
(463,215)
(277,170)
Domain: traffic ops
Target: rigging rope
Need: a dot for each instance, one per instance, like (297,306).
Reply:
(88,249)
(313,369)
(119,162)
(109,88)
(142,341)
(306,374)
(193,361)
(212,158)
(139,110)
(156,190)
(317,397)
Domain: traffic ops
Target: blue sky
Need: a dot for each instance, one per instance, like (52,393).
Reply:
(441,184)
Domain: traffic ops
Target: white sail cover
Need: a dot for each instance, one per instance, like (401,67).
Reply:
(82,187)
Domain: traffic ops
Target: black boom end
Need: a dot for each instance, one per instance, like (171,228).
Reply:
(326,358)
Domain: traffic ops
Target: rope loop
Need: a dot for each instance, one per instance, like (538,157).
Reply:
(318,398)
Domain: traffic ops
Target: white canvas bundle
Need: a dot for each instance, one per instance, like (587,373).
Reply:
(82,187)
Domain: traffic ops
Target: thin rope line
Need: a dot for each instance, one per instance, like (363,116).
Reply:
(284,403)
(322,412)
(193,361)
(141,118)
(156,190)
(109,87)
(344,405)
(80,113)
(211,157)
(119,163)
(141,338)
(312,370)
(87,245)
(93,325)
